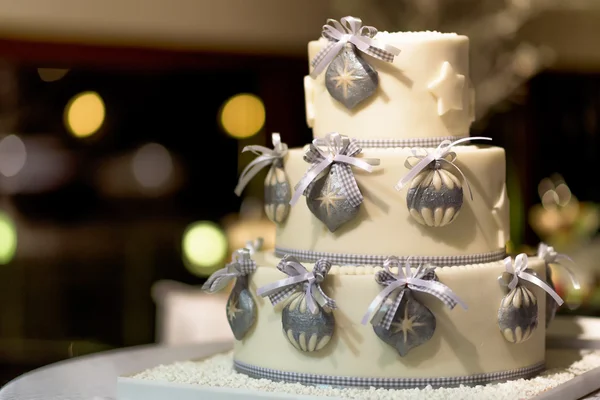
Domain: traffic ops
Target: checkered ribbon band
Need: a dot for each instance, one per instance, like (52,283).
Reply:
(299,278)
(423,279)
(391,143)
(340,155)
(240,265)
(368,259)
(386,383)
(350,30)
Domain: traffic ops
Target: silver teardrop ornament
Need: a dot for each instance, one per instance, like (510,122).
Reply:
(241,309)
(518,314)
(349,78)
(328,201)
(551,304)
(413,325)
(435,196)
(306,331)
(277,193)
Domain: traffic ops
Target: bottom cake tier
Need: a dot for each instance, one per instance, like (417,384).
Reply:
(467,346)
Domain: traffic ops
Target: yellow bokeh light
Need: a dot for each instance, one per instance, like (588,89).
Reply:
(84,114)
(204,246)
(243,115)
(8,239)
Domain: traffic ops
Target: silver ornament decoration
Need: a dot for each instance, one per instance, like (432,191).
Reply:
(278,193)
(518,314)
(328,201)
(349,78)
(305,330)
(435,196)
(413,325)
(241,309)
(551,304)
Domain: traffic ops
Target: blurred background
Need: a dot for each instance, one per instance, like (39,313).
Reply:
(121,125)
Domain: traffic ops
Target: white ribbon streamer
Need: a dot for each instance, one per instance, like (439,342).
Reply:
(350,31)
(337,146)
(550,256)
(265,158)
(518,270)
(437,155)
(421,280)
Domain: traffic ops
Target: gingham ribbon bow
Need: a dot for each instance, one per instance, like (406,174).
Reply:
(341,152)
(443,154)
(299,278)
(265,158)
(350,30)
(422,280)
(550,256)
(240,265)
(518,270)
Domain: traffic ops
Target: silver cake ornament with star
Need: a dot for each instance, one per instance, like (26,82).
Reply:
(412,325)
(328,200)
(350,79)
(241,309)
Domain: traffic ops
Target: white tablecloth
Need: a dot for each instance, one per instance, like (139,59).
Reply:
(94,377)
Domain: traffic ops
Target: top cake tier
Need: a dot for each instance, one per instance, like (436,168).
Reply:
(423,93)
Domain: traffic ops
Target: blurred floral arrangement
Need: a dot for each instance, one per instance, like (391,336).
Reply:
(569,225)
(500,62)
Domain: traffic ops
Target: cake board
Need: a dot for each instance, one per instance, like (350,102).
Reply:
(566,333)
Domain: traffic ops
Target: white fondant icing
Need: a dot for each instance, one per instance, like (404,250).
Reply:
(448,89)
(402,107)
(383,225)
(465,342)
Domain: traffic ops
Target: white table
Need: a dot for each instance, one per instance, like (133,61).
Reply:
(94,377)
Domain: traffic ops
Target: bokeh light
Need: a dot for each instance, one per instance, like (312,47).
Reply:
(152,165)
(52,74)
(84,114)
(243,115)
(8,239)
(204,247)
(13,155)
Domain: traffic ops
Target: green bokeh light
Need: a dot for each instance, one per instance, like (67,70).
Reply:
(204,246)
(8,239)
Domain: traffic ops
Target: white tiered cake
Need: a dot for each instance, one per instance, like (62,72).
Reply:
(397,103)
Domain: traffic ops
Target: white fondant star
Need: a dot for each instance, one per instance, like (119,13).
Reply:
(407,325)
(345,77)
(448,89)
(232,309)
(330,198)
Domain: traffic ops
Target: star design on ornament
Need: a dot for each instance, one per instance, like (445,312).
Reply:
(448,89)
(406,325)
(232,309)
(345,77)
(330,197)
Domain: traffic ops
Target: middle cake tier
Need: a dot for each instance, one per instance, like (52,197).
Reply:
(384,225)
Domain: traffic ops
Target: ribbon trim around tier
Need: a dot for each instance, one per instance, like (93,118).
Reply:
(387,383)
(518,270)
(423,279)
(299,277)
(394,143)
(240,265)
(371,259)
(265,158)
(340,154)
(350,30)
